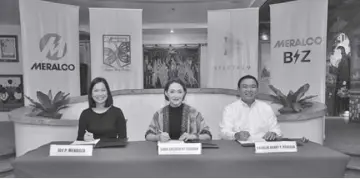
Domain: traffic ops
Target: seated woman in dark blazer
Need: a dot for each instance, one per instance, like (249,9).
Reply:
(101,119)
(177,121)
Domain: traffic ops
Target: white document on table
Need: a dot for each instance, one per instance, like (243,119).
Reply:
(79,142)
(252,140)
(171,142)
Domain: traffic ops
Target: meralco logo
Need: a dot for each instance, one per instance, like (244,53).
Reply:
(54,47)
(298,55)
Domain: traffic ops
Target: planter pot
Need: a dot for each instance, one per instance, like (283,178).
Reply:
(32,132)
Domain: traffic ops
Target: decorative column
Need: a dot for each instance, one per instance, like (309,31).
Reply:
(354,92)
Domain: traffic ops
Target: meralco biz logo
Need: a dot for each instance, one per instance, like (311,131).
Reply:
(54,47)
(297,55)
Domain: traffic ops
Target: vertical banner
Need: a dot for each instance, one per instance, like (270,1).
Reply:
(233,38)
(298,46)
(50,47)
(116,47)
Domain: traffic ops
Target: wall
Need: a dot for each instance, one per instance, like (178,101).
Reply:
(152,37)
(175,38)
(11,68)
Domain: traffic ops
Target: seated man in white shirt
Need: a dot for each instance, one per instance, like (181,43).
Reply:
(248,117)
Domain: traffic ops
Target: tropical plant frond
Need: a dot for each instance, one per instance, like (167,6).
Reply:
(275,99)
(280,95)
(307,98)
(301,91)
(292,102)
(43,99)
(48,106)
(50,96)
(35,104)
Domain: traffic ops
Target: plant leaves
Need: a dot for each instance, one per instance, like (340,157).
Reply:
(61,107)
(59,95)
(43,99)
(280,95)
(50,96)
(306,104)
(275,99)
(286,110)
(290,97)
(307,98)
(35,104)
(301,91)
(297,107)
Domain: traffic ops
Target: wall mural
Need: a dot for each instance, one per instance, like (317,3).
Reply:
(162,63)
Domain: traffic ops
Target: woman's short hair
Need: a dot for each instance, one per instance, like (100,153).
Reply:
(248,77)
(109,100)
(176,80)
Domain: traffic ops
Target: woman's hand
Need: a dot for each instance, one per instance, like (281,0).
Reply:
(88,136)
(187,136)
(163,137)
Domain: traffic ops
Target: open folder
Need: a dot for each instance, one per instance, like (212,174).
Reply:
(79,142)
(205,144)
(111,142)
(251,143)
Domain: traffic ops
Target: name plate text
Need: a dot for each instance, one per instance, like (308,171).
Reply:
(179,149)
(275,147)
(71,150)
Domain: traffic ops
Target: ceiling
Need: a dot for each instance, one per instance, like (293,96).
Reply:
(192,14)
(154,11)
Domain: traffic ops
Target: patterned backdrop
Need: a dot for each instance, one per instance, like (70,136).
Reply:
(164,63)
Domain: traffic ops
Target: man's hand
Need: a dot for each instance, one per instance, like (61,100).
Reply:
(163,137)
(269,136)
(187,136)
(242,135)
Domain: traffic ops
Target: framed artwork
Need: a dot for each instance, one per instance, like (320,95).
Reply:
(9,48)
(165,63)
(116,52)
(11,92)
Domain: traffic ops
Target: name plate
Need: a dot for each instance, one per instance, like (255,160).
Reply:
(71,150)
(179,149)
(275,147)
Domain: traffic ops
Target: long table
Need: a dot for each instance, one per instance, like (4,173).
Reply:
(140,159)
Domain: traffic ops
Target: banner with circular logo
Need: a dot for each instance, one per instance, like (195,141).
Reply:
(50,46)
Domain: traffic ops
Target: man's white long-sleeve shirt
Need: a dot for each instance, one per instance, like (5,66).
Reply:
(258,119)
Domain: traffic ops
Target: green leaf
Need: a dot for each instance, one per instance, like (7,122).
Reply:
(61,107)
(59,95)
(290,97)
(44,99)
(280,95)
(35,104)
(307,98)
(306,104)
(275,99)
(301,91)
(50,96)
(297,107)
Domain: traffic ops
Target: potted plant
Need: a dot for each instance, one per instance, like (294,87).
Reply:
(48,106)
(39,123)
(292,102)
